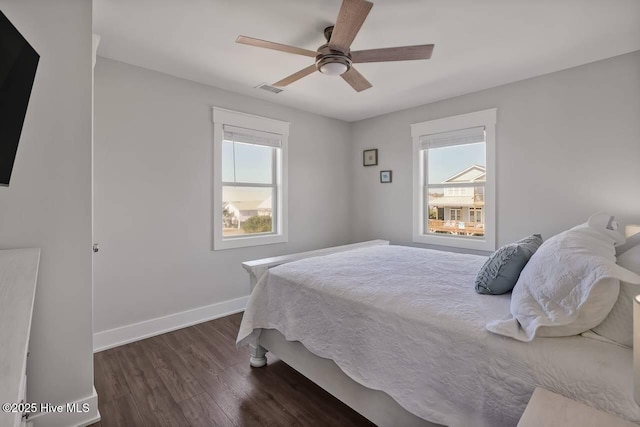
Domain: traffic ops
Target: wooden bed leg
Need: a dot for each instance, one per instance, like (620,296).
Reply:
(258,356)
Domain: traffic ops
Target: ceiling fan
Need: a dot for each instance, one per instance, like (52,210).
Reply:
(335,57)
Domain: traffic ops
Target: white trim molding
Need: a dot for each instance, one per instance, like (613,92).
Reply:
(486,119)
(223,117)
(77,418)
(137,331)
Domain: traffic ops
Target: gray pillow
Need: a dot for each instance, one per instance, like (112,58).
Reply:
(500,272)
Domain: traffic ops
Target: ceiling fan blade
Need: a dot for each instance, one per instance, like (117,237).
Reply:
(296,76)
(350,18)
(275,46)
(355,79)
(405,53)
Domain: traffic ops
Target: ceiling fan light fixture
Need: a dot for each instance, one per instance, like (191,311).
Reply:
(334,68)
(333,64)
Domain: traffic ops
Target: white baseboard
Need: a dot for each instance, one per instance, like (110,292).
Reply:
(137,331)
(70,419)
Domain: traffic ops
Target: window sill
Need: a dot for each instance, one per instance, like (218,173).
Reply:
(485,244)
(244,242)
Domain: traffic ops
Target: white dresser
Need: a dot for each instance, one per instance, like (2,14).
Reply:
(18,275)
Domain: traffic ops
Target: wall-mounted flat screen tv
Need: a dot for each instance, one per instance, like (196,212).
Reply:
(18,64)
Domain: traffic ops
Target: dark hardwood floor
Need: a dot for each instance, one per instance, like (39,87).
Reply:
(196,377)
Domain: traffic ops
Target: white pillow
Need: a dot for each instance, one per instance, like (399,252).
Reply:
(618,325)
(569,285)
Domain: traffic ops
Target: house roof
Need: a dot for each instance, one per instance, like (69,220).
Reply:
(454,201)
(266,204)
(474,173)
(250,205)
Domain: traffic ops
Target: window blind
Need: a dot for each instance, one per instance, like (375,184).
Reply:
(456,137)
(250,136)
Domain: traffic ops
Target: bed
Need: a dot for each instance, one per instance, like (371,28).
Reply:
(398,333)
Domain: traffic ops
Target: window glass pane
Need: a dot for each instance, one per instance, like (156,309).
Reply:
(458,163)
(247,210)
(247,163)
(227,161)
(456,211)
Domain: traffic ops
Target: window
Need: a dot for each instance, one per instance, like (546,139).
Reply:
(475,216)
(250,190)
(454,186)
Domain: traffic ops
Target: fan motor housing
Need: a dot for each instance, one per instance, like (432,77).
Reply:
(326,56)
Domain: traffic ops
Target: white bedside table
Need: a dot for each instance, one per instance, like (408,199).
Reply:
(547,409)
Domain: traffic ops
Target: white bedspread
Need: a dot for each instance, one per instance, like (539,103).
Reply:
(408,321)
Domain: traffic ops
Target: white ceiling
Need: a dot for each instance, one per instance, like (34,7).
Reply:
(479,44)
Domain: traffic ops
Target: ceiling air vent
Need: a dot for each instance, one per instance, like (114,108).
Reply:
(269,88)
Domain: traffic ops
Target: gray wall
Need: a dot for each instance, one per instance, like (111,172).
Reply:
(568,145)
(48,204)
(153,180)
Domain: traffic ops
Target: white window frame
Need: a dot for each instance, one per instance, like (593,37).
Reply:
(223,117)
(487,119)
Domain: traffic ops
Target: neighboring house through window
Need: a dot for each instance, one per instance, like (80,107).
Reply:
(250,180)
(454,181)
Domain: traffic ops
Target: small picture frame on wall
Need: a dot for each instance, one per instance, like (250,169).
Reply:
(370,157)
(386,177)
